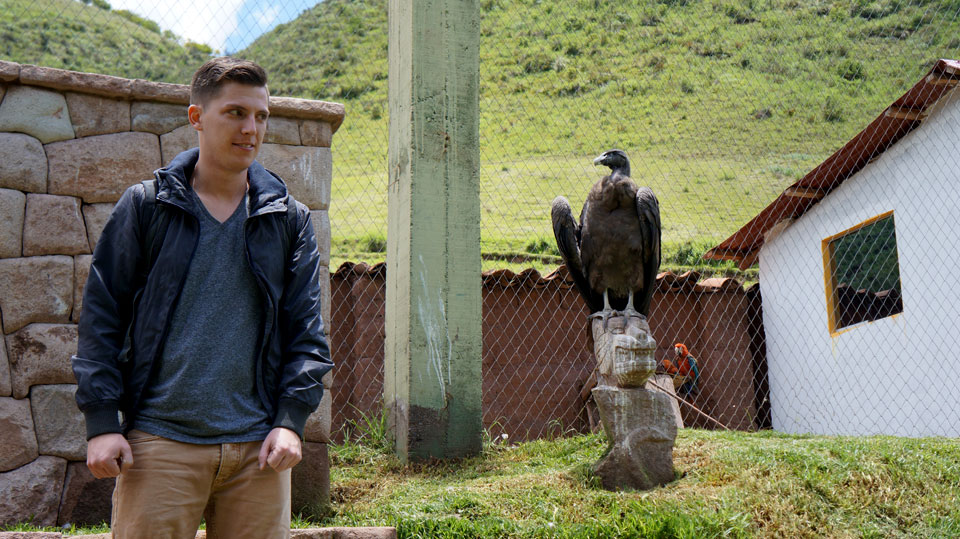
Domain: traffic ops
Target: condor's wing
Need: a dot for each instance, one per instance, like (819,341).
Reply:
(567,232)
(648,213)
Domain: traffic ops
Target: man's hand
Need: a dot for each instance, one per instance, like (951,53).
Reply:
(108,455)
(281,450)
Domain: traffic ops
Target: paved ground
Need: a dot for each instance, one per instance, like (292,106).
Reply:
(307,533)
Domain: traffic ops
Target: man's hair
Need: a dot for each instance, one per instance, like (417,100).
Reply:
(212,75)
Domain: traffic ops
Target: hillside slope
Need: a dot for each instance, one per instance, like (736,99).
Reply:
(719,103)
(70,35)
(675,73)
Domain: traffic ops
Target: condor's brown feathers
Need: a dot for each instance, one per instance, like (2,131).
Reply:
(616,245)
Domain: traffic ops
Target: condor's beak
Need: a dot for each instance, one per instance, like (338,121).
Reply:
(599,160)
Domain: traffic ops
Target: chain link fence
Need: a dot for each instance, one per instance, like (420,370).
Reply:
(721,105)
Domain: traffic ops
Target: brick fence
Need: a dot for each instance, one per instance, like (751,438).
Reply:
(70,144)
(537,352)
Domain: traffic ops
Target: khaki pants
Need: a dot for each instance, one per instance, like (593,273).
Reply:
(173,484)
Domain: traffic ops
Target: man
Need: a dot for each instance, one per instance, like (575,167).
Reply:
(201,325)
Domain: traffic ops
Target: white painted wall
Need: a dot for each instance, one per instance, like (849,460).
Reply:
(898,375)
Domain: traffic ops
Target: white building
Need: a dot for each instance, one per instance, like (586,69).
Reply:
(833,366)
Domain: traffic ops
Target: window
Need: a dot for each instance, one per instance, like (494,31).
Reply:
(862,273)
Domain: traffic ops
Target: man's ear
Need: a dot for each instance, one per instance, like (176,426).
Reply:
(193,114)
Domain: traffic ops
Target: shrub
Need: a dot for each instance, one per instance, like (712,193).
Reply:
(374,243)
(850,69)
(832,111)
(137,19)
(536,63)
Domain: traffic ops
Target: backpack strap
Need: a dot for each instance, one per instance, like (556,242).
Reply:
(293,226)
(148,229)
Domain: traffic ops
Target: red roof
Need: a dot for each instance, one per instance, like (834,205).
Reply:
(690,281)
(903,116)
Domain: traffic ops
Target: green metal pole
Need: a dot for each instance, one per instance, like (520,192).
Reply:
(432,378)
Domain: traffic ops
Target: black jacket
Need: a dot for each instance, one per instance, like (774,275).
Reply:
(132,290)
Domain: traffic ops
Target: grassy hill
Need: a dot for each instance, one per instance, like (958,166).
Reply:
(72,35)
(719,103)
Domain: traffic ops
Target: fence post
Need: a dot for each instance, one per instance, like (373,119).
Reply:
(432,375)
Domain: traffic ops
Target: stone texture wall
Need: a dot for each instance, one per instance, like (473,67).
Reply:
(538,350)
(70,144)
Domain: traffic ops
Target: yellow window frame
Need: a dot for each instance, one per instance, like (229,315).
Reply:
(830,271)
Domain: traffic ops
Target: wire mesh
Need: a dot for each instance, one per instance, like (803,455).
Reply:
(721,105)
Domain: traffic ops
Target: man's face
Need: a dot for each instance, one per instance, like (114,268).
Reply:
(231,126)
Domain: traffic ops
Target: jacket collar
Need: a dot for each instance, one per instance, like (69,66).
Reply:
(267,191)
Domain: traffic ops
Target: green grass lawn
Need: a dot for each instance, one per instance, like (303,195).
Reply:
(728,484)
(702,202)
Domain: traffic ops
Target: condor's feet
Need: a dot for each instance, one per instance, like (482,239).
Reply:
(609,312)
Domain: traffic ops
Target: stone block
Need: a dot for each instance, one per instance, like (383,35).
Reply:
(32,535)
(317,428)
(325,292)
(9,70)
(144,90)
(641,429)
(86,500)
(59,423)
(157,118)
(309,109)
(62,79)
(664,384)
(310,481)
(330,532)
(100,168)
(81,270)
(5,389)
(316,133)
(23,163)
(306,171)
(176,141)
(328,380)
(282,131)
(12,207)
(53,225)
(40,113)
(40,354)
(321,228)
(19,445)
(95,115)
(31,494)
(95,218)
(35,289)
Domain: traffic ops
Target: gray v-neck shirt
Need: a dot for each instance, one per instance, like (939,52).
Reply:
(204,390)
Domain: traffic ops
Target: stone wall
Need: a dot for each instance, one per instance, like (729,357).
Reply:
(70,144)
(538,351)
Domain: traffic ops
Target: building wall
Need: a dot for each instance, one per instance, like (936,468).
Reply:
(892,375)
(70,144)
